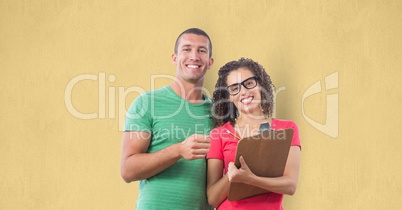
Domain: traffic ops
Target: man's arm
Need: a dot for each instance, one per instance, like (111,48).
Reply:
(136,164)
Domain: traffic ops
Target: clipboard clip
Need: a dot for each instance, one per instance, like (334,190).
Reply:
(264,127)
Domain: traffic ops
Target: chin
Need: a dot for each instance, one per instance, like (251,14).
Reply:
(247,109)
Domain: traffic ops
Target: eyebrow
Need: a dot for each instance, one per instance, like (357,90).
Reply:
(189,45)
(240,82)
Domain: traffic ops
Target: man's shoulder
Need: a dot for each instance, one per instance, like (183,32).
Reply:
(207,99)
(163,91)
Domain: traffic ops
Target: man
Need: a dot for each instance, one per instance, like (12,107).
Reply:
(165,139)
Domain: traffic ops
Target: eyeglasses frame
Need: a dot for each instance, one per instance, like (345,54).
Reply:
(242,84)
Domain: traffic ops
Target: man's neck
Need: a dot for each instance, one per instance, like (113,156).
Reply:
(191,92)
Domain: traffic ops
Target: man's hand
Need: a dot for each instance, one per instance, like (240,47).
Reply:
(195,147)
(242,174)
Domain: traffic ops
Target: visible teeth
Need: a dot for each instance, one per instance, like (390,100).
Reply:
(192,66)
(246,100)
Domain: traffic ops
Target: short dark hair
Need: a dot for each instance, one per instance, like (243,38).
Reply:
(196,31)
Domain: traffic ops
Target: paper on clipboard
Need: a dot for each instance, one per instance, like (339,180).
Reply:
(266,155)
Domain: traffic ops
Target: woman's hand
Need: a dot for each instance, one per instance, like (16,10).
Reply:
(242,174)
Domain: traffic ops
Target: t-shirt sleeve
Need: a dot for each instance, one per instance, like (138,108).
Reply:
(138,116)
(215,151)
(296,136)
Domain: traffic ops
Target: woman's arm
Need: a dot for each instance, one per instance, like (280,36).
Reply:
(217,183)
(285,184)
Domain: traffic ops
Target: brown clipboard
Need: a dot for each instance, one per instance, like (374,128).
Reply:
(266,155)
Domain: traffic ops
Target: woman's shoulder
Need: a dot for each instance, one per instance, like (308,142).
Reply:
(225,126)
(217,131)
(283,124)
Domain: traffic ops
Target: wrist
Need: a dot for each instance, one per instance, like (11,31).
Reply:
(226,177)
(251,179)
(177,150)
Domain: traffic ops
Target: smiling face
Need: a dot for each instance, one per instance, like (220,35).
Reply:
(247,101)
(192,58)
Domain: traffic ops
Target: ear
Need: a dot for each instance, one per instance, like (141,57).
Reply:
(231,99)
(211,61)
(174,57)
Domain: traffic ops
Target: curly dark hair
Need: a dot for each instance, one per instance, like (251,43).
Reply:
(223,109)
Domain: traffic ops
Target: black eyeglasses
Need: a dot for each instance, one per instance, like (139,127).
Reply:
(248,83)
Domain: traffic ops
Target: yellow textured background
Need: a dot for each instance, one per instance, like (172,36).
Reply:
(53,160)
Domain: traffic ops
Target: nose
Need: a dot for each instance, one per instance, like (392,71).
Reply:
(243,90)
(194,55)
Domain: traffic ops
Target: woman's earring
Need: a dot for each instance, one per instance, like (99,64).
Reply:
(262,110)
(233,111)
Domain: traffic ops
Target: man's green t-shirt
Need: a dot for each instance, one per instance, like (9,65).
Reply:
(171,119)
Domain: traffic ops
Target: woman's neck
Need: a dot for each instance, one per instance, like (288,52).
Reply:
(256,115)
(247,125)
(251,120)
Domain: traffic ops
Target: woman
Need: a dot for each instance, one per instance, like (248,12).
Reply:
(243,100)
